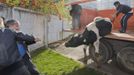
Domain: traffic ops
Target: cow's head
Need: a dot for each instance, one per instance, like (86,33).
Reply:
(86,38)
(74,41)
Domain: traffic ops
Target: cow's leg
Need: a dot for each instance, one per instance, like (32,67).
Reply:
(85,54)
(93,54)
(84,50)
(96,45)
(89,51)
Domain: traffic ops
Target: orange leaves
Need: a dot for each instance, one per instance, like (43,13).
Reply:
(3,1)
(23,3)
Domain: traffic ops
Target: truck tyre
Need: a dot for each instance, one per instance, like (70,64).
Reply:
(125,59)
(103,55)
(109,46)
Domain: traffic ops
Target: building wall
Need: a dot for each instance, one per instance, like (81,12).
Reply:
(116,24)
(87,16)
(104,8)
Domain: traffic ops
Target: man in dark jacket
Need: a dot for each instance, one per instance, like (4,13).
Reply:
(75,12)
(13,64)
(23,47)
(127,11)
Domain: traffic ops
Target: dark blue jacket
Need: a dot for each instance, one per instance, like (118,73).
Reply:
(123,9)
(23,47)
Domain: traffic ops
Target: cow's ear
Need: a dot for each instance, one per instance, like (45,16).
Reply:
(81,36)
(76,35)
(84,40)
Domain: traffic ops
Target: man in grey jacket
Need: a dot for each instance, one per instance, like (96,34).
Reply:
(23,47)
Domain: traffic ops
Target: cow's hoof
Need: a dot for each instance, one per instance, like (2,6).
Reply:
(85,62)
(98,66)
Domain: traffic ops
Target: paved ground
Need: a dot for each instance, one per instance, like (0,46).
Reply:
(77,54)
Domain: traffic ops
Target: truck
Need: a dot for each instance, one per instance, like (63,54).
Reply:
(118,47)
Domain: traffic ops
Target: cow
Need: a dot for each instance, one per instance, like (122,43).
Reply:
(92,34)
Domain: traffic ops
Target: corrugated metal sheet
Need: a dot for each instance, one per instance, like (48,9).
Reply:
(55,29)
(66,25)
(5,12)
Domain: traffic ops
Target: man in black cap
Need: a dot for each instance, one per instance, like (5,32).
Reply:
(126,10)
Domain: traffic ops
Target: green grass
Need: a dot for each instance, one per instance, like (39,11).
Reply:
(49,62)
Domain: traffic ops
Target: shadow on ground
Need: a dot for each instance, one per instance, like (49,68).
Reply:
(84,71)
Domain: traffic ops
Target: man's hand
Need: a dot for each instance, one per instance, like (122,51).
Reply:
(37,40)
(112,20)
(113,17)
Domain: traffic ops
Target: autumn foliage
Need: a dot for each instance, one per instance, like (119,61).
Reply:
(55,7)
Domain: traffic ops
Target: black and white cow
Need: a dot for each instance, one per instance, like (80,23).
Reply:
(92,34)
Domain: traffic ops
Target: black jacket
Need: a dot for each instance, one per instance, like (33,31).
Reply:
(8,38)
